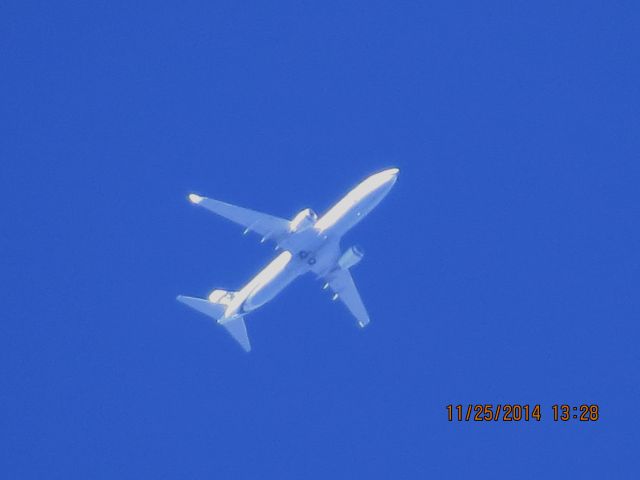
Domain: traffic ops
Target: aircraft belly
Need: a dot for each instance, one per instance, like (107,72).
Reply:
(356,213)
(265,292)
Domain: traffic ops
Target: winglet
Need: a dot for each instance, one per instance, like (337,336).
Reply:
(194,198)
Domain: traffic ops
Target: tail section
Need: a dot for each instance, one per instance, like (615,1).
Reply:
(222,297)
(215,309)
(238,330)
(210,309)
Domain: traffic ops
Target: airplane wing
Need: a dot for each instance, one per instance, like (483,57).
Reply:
(269,226)
(344,289)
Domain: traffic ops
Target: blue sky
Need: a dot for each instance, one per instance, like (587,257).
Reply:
(502,268)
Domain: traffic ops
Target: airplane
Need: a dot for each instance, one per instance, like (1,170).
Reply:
(306,244)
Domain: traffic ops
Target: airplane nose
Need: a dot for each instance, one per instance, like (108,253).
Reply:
(391,174)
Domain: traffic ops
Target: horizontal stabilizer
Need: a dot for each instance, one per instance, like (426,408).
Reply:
(238,331)
(213,310)
(235,326)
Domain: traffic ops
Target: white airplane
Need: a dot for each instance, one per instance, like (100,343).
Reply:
(307,243)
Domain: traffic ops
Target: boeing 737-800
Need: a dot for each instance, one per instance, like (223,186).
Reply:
(306,244)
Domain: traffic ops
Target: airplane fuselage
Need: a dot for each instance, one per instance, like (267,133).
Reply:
(313,248)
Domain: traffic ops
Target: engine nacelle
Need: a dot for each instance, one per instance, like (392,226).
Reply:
(305,219)
(351,257)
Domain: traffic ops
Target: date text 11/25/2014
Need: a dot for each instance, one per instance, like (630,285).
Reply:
(514,412)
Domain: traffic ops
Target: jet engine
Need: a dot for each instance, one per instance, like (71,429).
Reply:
(304,219)
(351,257)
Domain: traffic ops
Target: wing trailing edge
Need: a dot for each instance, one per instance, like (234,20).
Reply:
(341,283)
(268,226)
